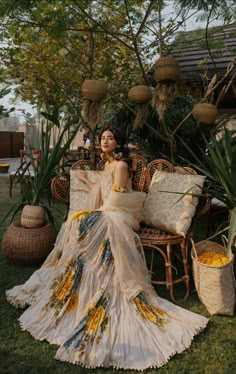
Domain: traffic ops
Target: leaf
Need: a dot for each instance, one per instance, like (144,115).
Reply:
(233,171)
(232,231)
(54,119)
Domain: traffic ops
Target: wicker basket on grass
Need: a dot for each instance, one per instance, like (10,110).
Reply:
(215,285)
(28,246)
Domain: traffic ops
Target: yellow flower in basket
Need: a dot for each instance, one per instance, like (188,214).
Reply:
(213,258)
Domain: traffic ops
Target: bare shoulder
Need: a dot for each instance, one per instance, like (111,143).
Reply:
(121,174)
(121,165)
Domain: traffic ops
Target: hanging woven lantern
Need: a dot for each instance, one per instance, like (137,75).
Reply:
(205,113)
(166,69)
(140,94)
(94,90)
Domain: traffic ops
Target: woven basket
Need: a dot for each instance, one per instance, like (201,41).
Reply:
(140,94)
(32,216)
(95,90)
(205,113)
(166,69)
(28,246)
(215,285)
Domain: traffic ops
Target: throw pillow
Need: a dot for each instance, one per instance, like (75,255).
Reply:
(79,190)
(166,207)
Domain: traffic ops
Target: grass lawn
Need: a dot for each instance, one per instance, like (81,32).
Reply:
(213,351)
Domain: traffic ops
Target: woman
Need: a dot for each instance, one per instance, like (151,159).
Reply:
(93,296)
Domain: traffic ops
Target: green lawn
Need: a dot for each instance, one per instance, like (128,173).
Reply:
(213,351)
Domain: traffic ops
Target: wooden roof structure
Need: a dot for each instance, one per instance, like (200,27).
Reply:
(190,50)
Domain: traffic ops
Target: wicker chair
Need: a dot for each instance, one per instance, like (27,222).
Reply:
(157,241)
(166,244)
(24,159)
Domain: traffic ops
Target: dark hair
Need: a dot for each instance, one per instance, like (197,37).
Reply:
(120,139)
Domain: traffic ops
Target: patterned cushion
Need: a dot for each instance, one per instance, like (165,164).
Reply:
(166,207)
(79,190)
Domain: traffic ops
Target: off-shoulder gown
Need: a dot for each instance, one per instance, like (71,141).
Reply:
(93,296)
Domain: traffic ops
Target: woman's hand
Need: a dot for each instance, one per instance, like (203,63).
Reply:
(82,175)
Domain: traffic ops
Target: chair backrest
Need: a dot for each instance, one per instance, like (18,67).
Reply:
(71,156)
(154,165)
(25,156)
(60,186)
(184,170)
(138,168)
(83,165)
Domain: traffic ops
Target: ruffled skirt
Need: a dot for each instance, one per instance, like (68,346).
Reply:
(76,300)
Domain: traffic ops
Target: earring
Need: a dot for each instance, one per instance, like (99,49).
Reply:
(103,156)
(117,155)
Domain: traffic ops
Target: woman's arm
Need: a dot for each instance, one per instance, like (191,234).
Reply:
(121,176)
(82,176)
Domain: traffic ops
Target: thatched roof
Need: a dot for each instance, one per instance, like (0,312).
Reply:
(190,50)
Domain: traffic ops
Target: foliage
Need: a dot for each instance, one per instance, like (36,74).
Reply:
(151,140)
(56,46)
(36,190)
(3,111)
(217,9)
(219,165)
(51,46)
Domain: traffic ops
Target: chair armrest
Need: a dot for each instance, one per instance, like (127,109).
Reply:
(202,207)
(60,186)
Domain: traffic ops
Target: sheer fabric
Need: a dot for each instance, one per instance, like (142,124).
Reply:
(93,296)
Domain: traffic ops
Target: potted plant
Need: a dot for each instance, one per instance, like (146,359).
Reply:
(36,187)
(30,240)
(218,163)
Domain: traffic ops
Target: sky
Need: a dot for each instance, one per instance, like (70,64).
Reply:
(20,105)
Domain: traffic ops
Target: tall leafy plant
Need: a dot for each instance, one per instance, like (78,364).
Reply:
(36,174)
(218,163)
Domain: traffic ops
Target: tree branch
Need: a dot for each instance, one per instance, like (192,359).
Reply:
(230,68)
(149,9)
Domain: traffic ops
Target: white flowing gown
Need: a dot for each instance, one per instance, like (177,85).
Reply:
(93,296)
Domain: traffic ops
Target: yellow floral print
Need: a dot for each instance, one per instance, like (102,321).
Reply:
(91,326)
(89,307)
(73,301)
(213,258)
(145,312)
(65,286)
(158,311)
(149,312)
(80,214)
(95,319)
(117,188)
(102,246)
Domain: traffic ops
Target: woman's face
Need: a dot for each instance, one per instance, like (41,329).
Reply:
(108,142)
